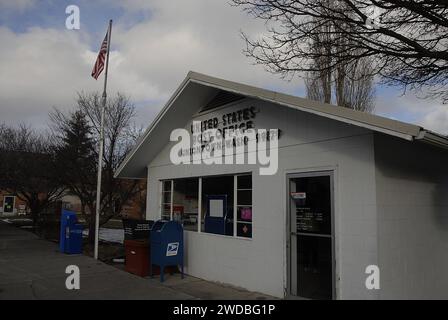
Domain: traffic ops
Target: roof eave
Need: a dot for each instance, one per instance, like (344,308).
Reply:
(152,125)
(433,139)
(275,98)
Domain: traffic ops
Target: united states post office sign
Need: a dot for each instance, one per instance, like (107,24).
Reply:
(172,249)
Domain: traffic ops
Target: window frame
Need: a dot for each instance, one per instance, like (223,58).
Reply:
(162,197)
(235,203)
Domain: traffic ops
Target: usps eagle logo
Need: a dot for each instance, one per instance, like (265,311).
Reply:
(172,249)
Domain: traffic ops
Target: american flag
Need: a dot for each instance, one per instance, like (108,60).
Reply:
(100,60)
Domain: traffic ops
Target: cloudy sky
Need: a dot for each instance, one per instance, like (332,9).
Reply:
(154,44)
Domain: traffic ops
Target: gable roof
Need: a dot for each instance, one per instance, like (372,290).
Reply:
(203,87)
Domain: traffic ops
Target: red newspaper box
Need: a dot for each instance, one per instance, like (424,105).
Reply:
(137,257)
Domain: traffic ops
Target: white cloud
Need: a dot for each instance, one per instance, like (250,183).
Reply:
(202,35)
(437,119)
(42,68)
(45,67)
(39,69)
(427,113)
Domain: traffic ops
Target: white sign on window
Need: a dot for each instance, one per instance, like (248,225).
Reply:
(216,208)
(298,195)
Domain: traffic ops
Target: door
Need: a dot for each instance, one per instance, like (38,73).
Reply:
(311,270)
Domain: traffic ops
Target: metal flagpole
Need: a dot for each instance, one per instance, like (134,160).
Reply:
(100,155)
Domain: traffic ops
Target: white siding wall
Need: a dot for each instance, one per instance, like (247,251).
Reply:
(412,198)
(309,143)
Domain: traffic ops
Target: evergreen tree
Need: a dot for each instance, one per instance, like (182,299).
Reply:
(77,160)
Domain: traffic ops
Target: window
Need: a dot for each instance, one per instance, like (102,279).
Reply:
(244,206)
(167,199)
(219,204)
(185,202)
(217,192)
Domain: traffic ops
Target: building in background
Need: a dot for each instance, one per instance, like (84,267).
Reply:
(11,205)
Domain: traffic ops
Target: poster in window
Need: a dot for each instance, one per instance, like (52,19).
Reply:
(216,208)
(244,230)
(309,220)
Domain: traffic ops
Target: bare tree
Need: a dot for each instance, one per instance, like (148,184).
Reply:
(354,86)
(406,40)
(27,168)
(349,85)
(319,83)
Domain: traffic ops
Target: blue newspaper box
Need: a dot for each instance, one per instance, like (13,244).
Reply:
(70,240)
(166,246)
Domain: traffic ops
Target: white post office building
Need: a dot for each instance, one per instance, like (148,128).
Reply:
(352,192)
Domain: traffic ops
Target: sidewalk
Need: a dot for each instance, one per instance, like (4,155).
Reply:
(31,268)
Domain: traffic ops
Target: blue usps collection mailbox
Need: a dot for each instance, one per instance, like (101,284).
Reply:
(70,240)
(167,246)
